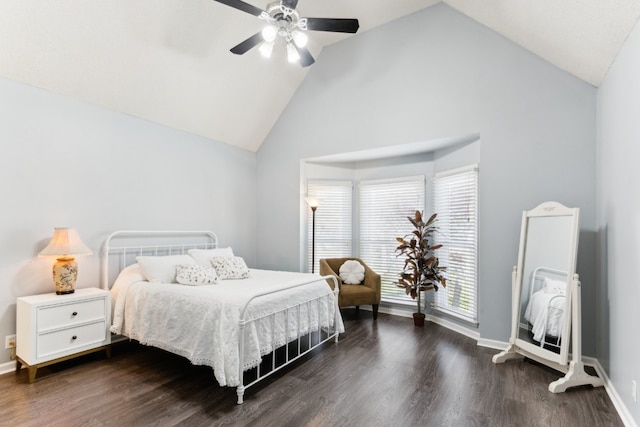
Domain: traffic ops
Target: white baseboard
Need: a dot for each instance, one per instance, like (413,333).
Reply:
(454,327)
(621,408)
(8,367)
(495,344)
(626,417)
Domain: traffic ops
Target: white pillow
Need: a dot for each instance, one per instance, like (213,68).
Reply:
(555,286)
(203,256)
(162,268)
(187,274)
(230,267)
(127,276)
(352,272)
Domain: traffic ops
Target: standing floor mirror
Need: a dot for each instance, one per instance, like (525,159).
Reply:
(546,316)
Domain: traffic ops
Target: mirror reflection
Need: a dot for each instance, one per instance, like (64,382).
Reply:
(543,293)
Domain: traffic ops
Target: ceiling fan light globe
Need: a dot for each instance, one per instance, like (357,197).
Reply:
(300,38)
(266,49)
(269,33)
(292,53)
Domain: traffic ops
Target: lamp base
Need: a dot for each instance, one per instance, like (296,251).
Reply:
(65,274)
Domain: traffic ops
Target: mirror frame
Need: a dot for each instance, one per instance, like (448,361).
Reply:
(547,209)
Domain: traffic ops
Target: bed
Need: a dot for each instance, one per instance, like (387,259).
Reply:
(547,302)
(246,325)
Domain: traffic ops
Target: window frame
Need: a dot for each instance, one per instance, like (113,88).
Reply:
(464,272)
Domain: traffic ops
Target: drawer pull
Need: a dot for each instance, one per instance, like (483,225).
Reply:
(75,337)
(75,313)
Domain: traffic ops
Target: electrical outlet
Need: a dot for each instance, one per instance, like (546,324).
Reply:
(634,390)
(9,341)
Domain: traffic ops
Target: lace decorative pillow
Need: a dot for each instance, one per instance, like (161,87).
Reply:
(230,267)
(196,275)
(352,272)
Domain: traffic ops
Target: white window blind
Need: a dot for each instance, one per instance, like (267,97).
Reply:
(456,203)
(333,220)
(384,208)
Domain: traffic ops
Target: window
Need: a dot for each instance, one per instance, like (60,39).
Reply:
(384,208)
(455,196)
(333,220)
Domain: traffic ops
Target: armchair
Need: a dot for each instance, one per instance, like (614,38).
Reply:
(354,295)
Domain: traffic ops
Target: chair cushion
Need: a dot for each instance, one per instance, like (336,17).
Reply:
(352,272)
(356,295)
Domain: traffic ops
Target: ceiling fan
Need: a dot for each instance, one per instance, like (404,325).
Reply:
(284,21)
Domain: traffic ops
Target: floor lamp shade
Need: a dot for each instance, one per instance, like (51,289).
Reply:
(65,245)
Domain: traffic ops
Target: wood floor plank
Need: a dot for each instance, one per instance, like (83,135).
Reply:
(381,373)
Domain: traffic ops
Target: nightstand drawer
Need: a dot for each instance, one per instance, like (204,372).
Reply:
(50,343)
(56,316)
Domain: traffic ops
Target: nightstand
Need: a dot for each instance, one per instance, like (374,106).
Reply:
(52,328)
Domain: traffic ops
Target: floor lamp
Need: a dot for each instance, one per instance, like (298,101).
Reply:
(313,204)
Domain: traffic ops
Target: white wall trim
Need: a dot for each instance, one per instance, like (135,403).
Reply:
(8,367)
(453,326)
(390,309)
(624,413)
(495,344)
(621,408)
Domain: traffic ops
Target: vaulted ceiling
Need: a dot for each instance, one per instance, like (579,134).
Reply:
(169,62)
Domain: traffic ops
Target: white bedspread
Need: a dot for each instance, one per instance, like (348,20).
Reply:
(201,322)
(544,312)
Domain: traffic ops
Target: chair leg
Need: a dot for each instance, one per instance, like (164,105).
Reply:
(357,310)
(375,311)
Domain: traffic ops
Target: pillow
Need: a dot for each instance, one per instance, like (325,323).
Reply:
(127,276)
(555,286)
(203,256)
(352,272)
(230,267)
(162,268)
(189,274)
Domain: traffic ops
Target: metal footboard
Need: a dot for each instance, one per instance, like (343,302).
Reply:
(300,348)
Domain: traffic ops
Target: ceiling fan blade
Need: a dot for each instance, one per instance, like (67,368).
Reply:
(249,43)
(291,4)
(336,25)
(245,7)
(305,56)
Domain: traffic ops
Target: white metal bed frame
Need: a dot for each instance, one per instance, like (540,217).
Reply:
(208,240)
(538,274)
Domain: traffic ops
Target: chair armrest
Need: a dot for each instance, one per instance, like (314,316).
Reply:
(373,280)
(326,270)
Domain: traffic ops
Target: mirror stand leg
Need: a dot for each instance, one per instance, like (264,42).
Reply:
(508,354)
(576,376)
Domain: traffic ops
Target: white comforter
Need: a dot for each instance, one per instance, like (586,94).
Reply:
(544,312)
(201,322)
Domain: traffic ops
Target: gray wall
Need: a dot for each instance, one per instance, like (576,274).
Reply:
(618,292)
(67,163)
(434,74)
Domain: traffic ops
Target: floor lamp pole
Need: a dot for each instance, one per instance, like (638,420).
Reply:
(313,238)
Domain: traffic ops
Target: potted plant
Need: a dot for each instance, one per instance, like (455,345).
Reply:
(422,270)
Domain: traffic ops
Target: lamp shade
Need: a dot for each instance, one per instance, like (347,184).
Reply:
(312,202)
(65,242)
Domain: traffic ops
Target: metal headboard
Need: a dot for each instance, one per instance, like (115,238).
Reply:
(539,274)
(124,246)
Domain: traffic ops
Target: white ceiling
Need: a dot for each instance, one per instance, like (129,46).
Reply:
(169,62)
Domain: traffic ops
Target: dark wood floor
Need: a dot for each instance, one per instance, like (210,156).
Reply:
(384,373)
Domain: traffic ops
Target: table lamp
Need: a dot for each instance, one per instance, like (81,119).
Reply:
(65,245)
